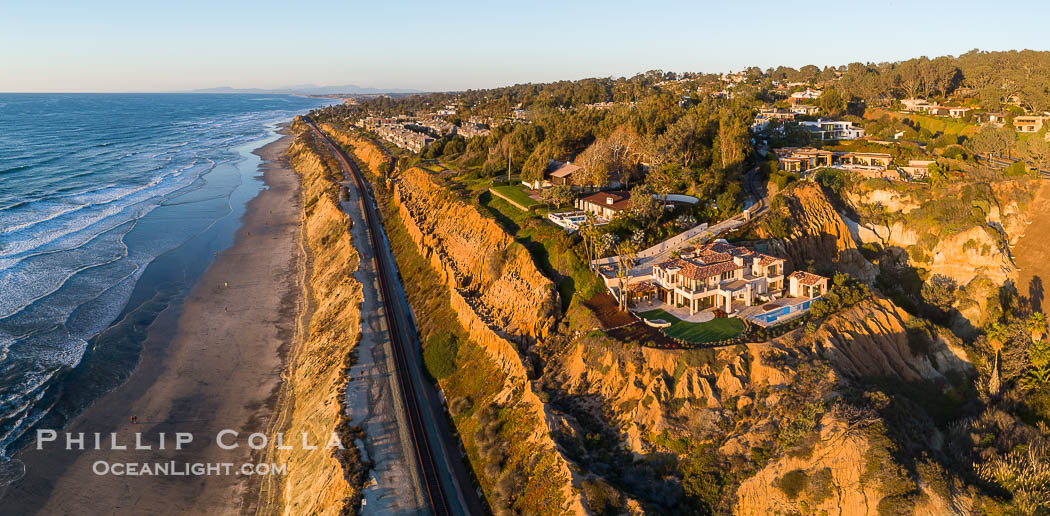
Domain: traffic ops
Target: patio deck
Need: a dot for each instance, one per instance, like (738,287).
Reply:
(680,312)
(755,313)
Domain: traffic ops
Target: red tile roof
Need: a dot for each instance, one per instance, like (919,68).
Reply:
(765,259)
(620,200)
(806,278)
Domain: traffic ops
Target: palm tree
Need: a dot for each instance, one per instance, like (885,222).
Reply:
(624,260)
(997,337)
(1036,325)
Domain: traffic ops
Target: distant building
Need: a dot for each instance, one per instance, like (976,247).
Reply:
(808,94)
(472,129)
(915,105)
(1029,124)
(868,164)
(604,205)
(924,106)
(998,119)
(560,172)
(805,109)
(766,114)
(917,168)
(954,112)
(833,129)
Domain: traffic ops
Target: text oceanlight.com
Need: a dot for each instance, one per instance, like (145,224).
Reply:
(227,440)
(177,469)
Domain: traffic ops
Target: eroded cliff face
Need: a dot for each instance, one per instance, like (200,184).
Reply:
(816,232)
(320,482)
(745,400)
(373,156)
(503,304)
(961,231)
(494,274)
(872,340)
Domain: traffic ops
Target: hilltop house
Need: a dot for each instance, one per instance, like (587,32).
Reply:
(954,112)
(915,105)
(805,109)
(805,284)
(999,119)
(605,205)
(1029,124)
(923,106)
(560,172)
(766,114)
(719,275)
(833,129)
(807,94)
(917,168)
(799,160)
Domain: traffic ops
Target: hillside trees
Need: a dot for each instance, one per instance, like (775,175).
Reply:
(734,141)
(614,158)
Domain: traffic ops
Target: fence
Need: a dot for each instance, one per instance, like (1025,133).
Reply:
(670,243)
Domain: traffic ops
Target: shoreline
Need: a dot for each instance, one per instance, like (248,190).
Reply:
(213,362)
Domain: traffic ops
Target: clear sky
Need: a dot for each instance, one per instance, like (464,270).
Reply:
(167,46)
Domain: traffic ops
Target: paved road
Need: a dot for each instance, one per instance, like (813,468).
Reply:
(447,481)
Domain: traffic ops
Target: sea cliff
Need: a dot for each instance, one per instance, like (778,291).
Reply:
(312,399)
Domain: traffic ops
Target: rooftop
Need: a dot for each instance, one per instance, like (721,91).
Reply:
(807,278)
(614,200)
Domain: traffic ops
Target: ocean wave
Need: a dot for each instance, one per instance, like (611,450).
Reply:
(90,209)
(76,234)
(41,275)
(14,169)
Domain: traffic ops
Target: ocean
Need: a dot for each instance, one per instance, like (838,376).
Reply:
(111,206)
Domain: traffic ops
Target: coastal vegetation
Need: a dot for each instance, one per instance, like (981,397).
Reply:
(917,384)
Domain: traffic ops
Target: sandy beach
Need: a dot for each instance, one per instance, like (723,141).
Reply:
(211,365)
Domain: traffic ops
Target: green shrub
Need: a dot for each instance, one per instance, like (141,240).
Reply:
(439,355)
(793,483)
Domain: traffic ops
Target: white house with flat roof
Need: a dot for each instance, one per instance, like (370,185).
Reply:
(833,129)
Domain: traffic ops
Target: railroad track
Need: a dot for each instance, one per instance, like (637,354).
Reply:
(424,454)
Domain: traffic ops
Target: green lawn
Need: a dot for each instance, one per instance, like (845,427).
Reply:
(711,331)
(517,194)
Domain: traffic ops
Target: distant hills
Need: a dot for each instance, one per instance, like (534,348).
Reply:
(307,89)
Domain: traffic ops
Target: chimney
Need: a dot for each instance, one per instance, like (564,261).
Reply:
(609,200)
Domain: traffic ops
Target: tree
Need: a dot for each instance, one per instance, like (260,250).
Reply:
(643,207)
(557,195)
(666,179)
(937,173)
(625,260)
(939,292)
(994,140)
(1036,326)
(733,139)
(1039,352)
(590,234)
(997,337)
(832,102)
(607,159)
